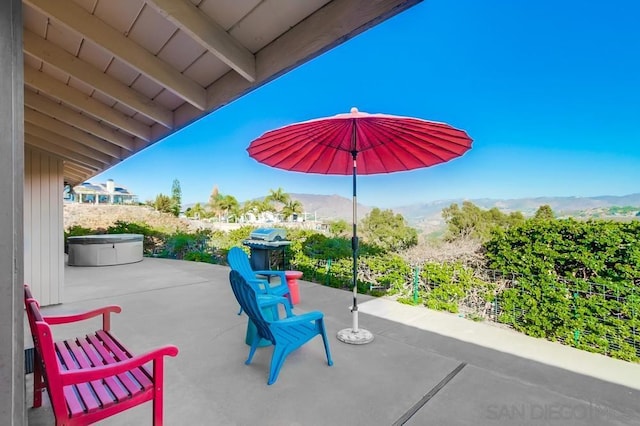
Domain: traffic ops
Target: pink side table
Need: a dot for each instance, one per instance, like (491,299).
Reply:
(292,283)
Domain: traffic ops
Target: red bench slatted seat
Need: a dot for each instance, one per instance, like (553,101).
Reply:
(92,377)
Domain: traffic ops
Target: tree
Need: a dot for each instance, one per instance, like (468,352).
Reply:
(472,221)
(464,221)
(197,211)
(163,203)
(214,202)
(388,231)
(290,208)
(176,198)
(338,228)
(256,207)
(279,197)
(228,203)
(249,207)
(544,213)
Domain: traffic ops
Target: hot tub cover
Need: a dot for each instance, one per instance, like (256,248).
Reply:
(105,239)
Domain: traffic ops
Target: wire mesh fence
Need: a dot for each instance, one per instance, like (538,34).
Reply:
(601,317)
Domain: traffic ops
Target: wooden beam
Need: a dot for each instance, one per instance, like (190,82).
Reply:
(75,119)
(333,24)
(78,19)
(64,153)
(75,169)
(73,176)
(209,34)
(56,139)
(70,132)
(74,97)
(66,62)
(78,168)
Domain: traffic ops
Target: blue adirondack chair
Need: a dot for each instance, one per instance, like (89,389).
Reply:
(239,261)
(286,334)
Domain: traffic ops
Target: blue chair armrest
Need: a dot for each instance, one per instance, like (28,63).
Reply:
(261,286)
(266,300)
(309,316)
(281,274)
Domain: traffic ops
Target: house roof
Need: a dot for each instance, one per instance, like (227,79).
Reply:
(100,188)
(105,79)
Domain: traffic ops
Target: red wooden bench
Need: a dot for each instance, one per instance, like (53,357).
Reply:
(92,377)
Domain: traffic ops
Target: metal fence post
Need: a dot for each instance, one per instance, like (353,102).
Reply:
(416,275)
(576,332)
(633,320)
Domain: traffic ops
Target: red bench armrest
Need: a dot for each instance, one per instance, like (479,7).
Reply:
(104,311)
(73,377)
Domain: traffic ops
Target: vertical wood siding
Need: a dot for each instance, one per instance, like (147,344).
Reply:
(43,223)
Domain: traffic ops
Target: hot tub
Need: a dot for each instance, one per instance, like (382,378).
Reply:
(105,250)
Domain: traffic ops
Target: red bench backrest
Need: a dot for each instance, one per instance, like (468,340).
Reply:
(46,356)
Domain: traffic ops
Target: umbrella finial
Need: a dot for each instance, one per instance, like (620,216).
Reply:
(354,110)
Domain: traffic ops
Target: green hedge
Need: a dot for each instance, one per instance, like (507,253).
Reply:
(576,282)
(563,280)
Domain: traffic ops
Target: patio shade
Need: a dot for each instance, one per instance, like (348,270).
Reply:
(359,143)
(383,144)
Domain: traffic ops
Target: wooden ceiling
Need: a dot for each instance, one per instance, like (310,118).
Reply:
(105,79)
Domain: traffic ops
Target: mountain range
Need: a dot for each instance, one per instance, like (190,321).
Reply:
(427,216)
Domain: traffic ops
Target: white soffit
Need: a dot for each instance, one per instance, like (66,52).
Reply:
(107,78)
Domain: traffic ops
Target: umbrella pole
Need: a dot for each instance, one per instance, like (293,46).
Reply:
(355,335)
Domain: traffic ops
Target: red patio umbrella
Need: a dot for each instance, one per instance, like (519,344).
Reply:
(361,143)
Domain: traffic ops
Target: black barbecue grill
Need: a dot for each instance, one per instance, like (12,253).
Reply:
(267,246)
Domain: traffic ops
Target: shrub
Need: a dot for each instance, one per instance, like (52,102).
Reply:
(576,282)
(153,239)
(450,286)
(180,244)
(76,231)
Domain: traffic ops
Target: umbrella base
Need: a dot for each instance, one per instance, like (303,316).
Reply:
(359,337)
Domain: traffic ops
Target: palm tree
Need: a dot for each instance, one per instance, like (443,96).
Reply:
(196,211)
(227,203)
(279,197)
(256,207)
(292,207)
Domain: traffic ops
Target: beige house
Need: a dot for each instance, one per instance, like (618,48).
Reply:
(84,84)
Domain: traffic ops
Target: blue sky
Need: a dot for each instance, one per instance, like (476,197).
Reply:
(548,90)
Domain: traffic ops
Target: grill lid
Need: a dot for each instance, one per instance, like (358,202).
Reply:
(269,234)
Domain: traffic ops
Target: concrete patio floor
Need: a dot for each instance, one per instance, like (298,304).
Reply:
(483,374)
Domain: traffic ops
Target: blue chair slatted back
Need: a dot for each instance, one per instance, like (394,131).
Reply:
(247,298)
(239,261)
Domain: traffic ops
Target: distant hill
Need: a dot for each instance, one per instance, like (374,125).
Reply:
(330,207)
(427,216)
(96,216)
